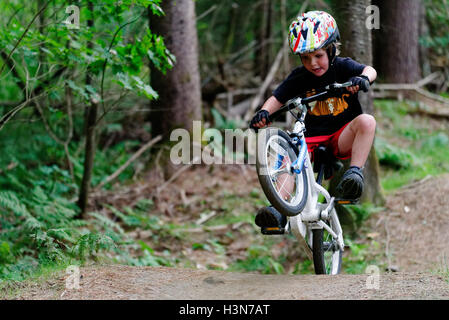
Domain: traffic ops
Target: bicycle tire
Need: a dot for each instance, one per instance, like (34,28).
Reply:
(265,180)
(319,250)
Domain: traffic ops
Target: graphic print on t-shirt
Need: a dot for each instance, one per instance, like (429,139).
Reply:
(332,106)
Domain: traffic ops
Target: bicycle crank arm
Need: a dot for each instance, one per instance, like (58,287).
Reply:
(325,213)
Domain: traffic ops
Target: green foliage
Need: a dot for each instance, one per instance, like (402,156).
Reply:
(358,216)
(360,257)
(407,146)
(61,57)
(39,230)
(393,156)
(221,123)
(437,39)
(259,258)
(38,190)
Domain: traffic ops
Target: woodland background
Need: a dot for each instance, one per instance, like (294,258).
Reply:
(86,114)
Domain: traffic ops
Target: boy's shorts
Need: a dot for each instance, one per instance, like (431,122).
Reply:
(328,141)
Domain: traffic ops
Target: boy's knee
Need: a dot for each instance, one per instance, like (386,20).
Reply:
(366,123)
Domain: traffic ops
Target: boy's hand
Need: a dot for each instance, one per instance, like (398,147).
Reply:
(359,82)
(260,120)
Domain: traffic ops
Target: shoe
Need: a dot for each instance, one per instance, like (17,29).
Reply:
(351,184)
(269,217)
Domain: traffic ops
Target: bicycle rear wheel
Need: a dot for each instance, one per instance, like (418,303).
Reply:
(327,255)
(286,191)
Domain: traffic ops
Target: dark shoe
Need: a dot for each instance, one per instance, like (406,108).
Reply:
(269,217)
(351,184)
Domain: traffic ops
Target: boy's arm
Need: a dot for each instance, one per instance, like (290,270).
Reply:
(272,105)
(370,72)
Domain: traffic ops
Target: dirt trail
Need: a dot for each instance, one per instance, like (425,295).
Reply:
(123,282)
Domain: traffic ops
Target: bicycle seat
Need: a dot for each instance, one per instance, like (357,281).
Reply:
(323,156)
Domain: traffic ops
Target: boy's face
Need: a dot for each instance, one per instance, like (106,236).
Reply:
(316,62)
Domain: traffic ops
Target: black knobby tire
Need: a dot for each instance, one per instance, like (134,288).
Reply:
(321,253)
(265,180)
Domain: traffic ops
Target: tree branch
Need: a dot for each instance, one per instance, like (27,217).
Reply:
(23,35)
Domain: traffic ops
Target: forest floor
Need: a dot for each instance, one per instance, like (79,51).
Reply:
(200,228)
(409,236)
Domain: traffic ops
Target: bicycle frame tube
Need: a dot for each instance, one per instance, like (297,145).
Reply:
(298,165)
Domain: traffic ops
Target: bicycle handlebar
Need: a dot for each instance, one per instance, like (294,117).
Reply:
(298,101)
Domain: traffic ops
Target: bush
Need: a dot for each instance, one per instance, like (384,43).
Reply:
(392,156)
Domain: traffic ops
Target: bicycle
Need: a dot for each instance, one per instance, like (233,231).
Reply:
(283,154)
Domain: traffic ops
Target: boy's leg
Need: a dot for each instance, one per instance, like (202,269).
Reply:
(357,138)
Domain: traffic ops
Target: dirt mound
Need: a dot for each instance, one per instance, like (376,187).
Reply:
(122,282)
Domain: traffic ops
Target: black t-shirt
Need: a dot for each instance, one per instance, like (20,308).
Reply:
(328,116)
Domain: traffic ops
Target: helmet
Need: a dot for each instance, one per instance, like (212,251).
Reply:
(311,31)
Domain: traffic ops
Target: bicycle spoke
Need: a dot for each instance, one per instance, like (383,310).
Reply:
(277,148)
(282,187)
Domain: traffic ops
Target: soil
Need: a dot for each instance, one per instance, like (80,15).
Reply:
(162,283)
(411,231)
(414,227)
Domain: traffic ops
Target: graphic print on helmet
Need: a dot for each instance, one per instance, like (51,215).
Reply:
(311,31)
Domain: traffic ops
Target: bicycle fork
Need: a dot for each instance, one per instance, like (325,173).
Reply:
(314,213)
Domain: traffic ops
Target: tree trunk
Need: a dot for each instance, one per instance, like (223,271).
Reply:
(263,32)
(423,51)
(89,129)
(357,43)
(179,102)
(398,41)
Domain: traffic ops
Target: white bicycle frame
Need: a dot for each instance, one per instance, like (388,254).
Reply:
(314,212)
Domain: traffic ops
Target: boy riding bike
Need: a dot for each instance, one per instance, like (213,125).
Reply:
(337,122)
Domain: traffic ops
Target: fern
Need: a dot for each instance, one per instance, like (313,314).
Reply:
(43,231)
(9,200)
(129,220)
(89,243)
(105,222)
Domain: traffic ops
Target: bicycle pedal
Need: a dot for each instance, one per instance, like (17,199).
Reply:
(272,230)
(346,201)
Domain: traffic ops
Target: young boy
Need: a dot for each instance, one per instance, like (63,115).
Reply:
(337,122)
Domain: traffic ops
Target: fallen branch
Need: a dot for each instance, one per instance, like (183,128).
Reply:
(176,175)
(407,86)
(274,68)
(127,163)
(219,228)
(407,188)
(430,103)
(10,166)
(206,218)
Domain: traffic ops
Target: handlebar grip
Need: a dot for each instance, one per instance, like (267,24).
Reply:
(365,85)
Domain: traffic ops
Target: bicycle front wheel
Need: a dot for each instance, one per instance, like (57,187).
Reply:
(286,191)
